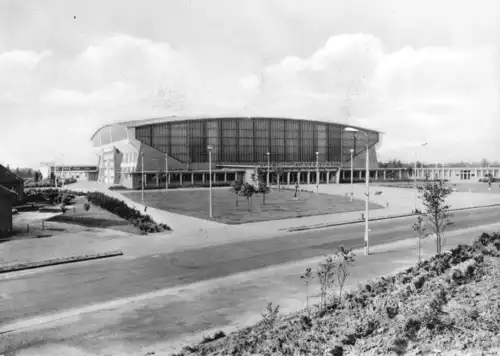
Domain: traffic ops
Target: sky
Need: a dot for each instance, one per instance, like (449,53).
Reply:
(419,71)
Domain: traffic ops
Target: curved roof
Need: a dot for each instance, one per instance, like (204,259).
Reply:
(174,118)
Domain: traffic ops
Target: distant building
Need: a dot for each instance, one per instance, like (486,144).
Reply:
(12,182)
(77,172)
(127,150)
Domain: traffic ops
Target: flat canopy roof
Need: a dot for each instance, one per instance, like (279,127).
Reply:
(175,118)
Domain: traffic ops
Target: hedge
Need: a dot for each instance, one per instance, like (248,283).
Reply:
(118,207)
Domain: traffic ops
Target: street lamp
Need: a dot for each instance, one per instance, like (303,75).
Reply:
(352,170)
(268,164)
(317,172)
(415,175)
(210,178)
(367,180)
(142,177)
(166,171)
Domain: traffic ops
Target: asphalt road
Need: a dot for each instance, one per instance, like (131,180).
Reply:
(64,287)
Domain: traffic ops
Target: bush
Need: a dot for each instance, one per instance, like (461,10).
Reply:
(118,207)
(117,187)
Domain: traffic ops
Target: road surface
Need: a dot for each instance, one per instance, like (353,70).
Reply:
(46,291)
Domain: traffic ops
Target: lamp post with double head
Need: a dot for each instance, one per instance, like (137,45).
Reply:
(142,177)
(210,177)
(367,180)
(317,172)
(166,171)
(268,166)
(352,170)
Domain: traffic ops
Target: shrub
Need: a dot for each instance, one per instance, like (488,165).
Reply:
(117,187)
(118,207)
(218,335)
(270,315)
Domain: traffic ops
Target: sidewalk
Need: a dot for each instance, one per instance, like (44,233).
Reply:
(25,250)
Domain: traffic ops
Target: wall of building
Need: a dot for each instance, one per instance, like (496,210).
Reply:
(239,140)
(5,215)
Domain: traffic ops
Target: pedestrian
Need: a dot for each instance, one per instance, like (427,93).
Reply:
(489,184)
(296,193)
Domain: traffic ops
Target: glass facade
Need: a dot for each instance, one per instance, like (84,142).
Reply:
(247,140)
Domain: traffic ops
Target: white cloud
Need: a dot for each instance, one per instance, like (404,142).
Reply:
(438,94)
(443,95)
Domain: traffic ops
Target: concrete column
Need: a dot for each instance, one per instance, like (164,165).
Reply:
(327,177)
(214,176)
(337,177)
(385,175)
(360,172)
(225,177)
(288,178)
(203,177)
(180,178)
(192,178)
(308,177)
(400,174)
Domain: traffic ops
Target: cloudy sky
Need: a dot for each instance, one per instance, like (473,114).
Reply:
(420,70)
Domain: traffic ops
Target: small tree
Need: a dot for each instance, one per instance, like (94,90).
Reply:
(421,229)
(344,258)
(307,277)
(433,197)
(326,277)
(236,187)
(247,191)
(270,316)
(263,190)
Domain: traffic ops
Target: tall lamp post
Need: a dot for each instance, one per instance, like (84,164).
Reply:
(210,178)
(317,172)
(142,177)
(367,180)
(268,164)
(166,171)
(352,171)
(415,175)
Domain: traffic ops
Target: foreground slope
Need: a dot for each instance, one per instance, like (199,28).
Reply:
(449,305)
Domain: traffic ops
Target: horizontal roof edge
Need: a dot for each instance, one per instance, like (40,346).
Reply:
(158,120)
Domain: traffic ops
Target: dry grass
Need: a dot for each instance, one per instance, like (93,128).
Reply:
(449,305)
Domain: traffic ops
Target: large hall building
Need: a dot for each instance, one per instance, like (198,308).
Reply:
(178,147)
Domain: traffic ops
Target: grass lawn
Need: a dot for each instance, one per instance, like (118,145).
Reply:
(94,218)
(279,204)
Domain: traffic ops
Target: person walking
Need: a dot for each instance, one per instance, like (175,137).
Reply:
(489,183)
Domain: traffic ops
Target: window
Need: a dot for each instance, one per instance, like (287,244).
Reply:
(246,141)
(307,142)
(213,138)
(278,140)
(230,139)
(292,141)
(261,139)
(179,141)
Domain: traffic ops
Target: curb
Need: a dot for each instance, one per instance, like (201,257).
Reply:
(58,261)
(358,221)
